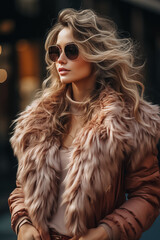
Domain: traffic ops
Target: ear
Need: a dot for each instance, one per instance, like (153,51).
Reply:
(3,73)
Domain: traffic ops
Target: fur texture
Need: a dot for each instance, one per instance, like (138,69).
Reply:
(110,137)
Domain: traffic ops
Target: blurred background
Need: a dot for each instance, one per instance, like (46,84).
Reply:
(23,28)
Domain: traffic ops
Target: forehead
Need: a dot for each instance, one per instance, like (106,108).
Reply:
(65,36)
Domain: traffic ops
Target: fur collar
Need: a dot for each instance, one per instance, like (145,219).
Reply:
(98,150)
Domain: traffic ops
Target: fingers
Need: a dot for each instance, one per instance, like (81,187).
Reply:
(36,235)
(28,232)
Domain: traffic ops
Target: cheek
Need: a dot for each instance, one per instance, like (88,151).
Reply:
(56,66)
(83,68)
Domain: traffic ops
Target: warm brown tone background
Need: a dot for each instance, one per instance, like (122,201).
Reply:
(23,28)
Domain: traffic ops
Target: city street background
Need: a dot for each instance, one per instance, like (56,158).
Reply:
(23,28)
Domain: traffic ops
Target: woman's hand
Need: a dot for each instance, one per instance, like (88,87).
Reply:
(98,233)
(28,232)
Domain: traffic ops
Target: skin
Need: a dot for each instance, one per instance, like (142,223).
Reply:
(28,232)
(80,72)
(98,233)
(81,76)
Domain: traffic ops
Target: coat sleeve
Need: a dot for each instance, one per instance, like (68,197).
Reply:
(138,213)
(17,207)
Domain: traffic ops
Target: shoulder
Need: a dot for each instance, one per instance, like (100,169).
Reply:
(146,131)
(113,105)
(139,137)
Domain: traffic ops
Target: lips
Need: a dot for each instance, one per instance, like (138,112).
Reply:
(63,71)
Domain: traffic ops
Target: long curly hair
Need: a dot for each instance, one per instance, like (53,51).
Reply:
(113,58)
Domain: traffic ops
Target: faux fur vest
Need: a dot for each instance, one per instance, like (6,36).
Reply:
(109,138)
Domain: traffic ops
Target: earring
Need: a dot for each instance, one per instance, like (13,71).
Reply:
(3,73)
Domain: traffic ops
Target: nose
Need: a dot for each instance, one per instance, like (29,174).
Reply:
(62,58)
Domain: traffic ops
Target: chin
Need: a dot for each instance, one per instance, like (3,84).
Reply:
(66,80)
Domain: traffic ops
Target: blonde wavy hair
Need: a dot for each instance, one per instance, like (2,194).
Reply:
(112,56)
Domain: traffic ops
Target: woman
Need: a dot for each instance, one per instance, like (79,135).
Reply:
(87,141)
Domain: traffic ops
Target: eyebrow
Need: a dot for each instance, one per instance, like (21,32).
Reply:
(65,44)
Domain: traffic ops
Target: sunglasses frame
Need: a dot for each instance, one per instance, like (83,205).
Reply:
(65,51)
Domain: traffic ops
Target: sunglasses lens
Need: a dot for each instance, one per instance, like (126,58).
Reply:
(54,53)
(71,51)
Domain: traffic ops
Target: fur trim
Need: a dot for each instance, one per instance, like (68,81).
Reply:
(110,137)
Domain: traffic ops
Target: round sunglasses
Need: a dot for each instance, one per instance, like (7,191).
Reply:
(71,51)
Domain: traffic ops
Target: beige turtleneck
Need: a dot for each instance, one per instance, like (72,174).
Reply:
(58,222)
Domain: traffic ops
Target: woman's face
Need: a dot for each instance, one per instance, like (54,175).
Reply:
(71,71)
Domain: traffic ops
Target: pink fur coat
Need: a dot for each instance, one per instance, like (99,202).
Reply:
(95,181)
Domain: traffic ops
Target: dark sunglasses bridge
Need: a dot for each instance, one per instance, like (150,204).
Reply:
(71,51)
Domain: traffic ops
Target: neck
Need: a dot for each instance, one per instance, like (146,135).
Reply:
(82,90)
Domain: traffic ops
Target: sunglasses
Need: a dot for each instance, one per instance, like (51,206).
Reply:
(71,51)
